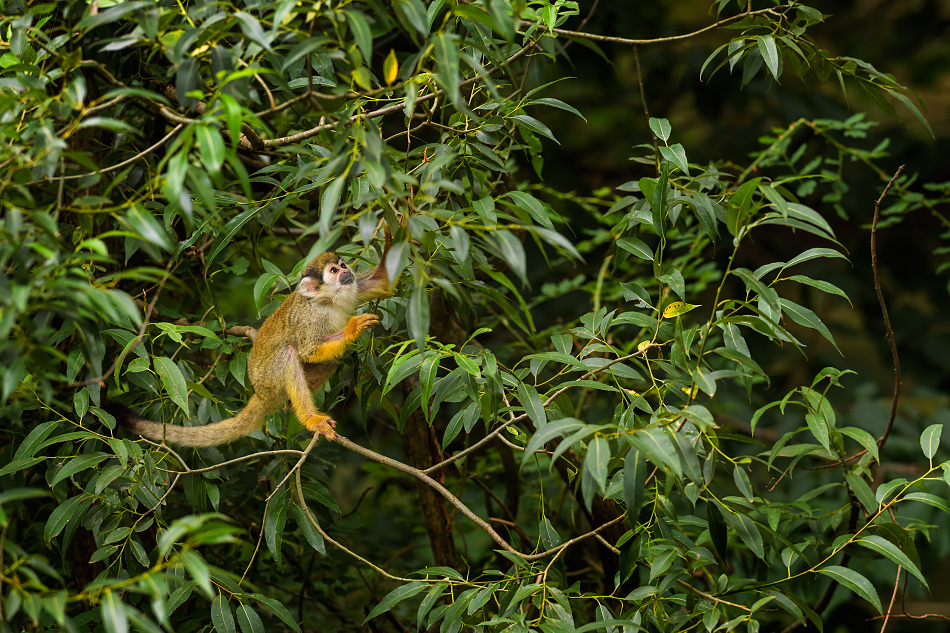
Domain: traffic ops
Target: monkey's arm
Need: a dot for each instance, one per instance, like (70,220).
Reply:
(332,346)
(375,284)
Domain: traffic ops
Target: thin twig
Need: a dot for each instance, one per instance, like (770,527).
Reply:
(887,321)
(464,509)
(302,136)
(685,584)
(671,38)
(131,346)
(303,458)
(328,539)
(195,471)
(145,152)
(890,606)
(889,331)
(477,445)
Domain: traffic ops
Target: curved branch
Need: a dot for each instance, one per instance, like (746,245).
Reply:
(374,114)
(464,509)
(671,38)
(148,150)
(887,321)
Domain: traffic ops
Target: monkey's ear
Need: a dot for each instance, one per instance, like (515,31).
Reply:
(309,286)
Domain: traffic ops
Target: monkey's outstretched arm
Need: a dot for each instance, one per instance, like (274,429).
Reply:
(333,345)
(375,284)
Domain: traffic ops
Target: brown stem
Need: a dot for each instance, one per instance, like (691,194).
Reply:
(672,38)
(887,321)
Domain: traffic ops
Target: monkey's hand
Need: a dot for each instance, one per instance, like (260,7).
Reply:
(358,324)
(321,425)
(334,345)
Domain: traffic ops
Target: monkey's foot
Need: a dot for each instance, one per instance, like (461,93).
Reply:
(322,425)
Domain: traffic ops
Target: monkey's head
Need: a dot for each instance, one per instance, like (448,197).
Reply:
(327,276)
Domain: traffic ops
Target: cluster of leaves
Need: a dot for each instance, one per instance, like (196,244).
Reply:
(162,166)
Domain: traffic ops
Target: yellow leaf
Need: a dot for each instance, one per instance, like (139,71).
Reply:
(677,308)
(642,345)
(390,67)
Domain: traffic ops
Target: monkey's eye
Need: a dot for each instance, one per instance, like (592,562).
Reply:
(333,270)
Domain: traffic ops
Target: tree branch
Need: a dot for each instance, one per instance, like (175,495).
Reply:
(672,38)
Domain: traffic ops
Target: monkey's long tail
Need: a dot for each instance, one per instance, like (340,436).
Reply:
(250,418)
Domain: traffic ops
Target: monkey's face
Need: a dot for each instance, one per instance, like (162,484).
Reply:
(338,273)
(327,277)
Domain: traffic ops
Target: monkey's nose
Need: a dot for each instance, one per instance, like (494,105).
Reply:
(346,277)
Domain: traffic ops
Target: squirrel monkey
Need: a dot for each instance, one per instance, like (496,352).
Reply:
(296,350)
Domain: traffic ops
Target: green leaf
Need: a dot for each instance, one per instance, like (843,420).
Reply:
(755,286)
(434,593)
(634,483)
(532,404)
(742,482)
(535,126)
(805,317)
(661,127)
(813,253)
(172,381)
(930,440)
(595,462)
(33,442)
(198,569)
(676,155)
(274,522)
(547,433)
(822,285)
(910,106)
(414,12)
(886,548)
(658,448)
(396,596)
(309,532)
(748,532)
(279,610)
(77,464)
(114,617)
(329,202)
(862,491)
(248,619)
(929,499)
(706,213)
(770,54)
(635,246)
(717,529)
(211,147)
(252,29)
(417,316)
(221,615)
(231,229)
(69,510)
(511,251)
(145,227)
(855,582)
(446,55)
(533,206)
(557,103)
(361,33)
(863,438)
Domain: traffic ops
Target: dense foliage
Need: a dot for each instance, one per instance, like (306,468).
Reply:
(566,420)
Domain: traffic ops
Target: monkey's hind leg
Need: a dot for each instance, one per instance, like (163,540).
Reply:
(295,383)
